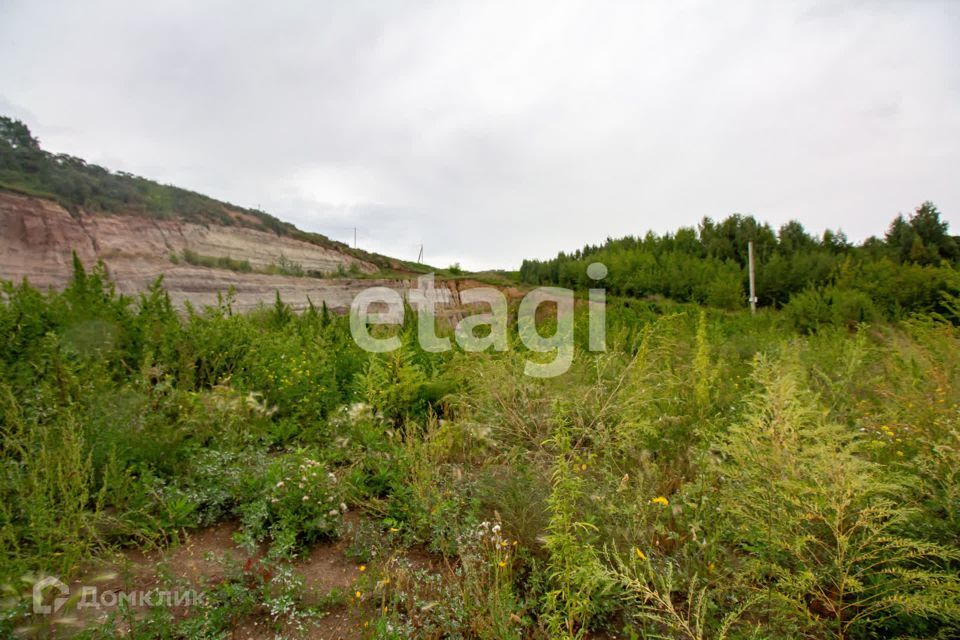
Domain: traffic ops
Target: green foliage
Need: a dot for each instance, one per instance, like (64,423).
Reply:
(713,474)
(923,238)
(664,609)
(907,272)
(394,385)
(811,309)
(574,565)
(286,267)
(216,262)
(823,527)
(299,503)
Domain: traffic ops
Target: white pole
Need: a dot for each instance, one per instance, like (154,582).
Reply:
(753,280)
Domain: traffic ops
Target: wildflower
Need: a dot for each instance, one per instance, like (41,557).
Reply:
(660,500)
(501,564)
(496,528)
(640,554)
(362,568)
(280,484)
(583,467)
(394,529)
(357,595)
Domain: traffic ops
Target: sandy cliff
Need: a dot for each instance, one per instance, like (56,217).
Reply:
(37,237)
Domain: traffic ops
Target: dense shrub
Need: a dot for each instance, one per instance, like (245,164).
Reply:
(709,265)
(811,309)
(713,474)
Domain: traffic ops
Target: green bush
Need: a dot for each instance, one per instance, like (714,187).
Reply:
(826,528)
(216,262)
(809,310)
(299,502)
(713,474)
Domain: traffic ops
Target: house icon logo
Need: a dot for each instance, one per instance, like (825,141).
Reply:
(38,592)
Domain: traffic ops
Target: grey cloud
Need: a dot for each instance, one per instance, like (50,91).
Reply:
(495,131)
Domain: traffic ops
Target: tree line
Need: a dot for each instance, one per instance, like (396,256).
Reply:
(910,269)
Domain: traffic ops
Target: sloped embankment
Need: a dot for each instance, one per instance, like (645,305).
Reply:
(38,236)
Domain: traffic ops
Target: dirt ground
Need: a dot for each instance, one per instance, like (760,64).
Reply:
(196,561)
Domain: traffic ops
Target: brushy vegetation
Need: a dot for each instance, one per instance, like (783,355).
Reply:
(818,280)
(213,262)
(711,475)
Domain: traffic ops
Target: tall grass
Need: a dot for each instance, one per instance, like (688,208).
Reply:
(712,475)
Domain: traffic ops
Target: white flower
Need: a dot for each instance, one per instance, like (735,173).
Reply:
(333,512)
(343,507)
(357,410)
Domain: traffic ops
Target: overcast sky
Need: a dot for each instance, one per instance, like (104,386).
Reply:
(493,131)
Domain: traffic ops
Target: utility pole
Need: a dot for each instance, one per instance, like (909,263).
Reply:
(753,279)
(420,255)
(354,237)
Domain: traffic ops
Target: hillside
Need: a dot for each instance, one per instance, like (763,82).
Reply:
(79,186)
(52,205)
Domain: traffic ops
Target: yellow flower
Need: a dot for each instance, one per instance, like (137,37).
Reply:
(660,500)
(640,554)
(358,595)
(501,564)
(394,529)
(363,568)
(583,467)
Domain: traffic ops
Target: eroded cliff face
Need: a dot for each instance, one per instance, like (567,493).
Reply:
(38,236)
